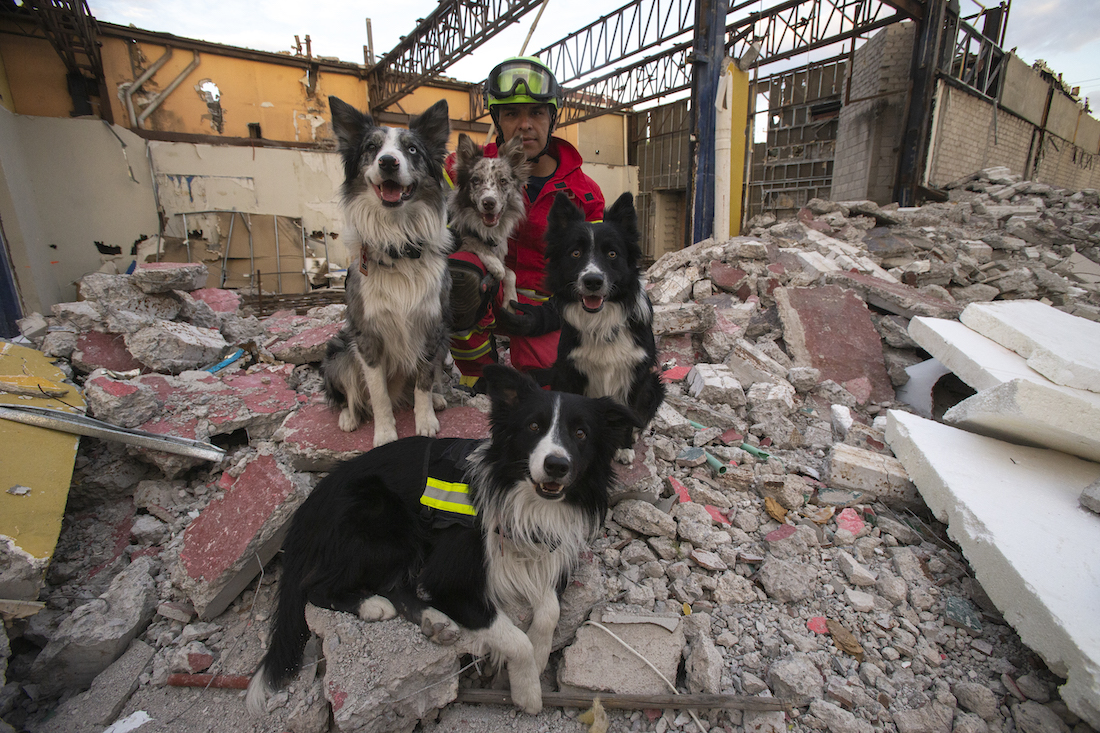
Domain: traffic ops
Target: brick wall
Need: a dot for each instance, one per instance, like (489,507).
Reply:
(968,136)
(871,124)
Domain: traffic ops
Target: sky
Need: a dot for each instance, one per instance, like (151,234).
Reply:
(1065,33)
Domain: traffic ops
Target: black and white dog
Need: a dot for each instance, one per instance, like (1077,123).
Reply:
(455,534)
(487,204)
(398,288)
(607,347)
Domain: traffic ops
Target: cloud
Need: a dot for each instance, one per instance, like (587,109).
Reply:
(1041,26)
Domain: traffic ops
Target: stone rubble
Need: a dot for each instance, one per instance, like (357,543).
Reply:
(764,542)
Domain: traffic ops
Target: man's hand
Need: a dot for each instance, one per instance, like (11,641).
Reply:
(525,321)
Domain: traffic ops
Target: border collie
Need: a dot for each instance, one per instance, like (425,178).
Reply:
(607,347)
(398,288)
(373,539)
(487,204)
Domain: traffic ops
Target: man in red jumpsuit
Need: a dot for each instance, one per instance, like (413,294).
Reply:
(523,97)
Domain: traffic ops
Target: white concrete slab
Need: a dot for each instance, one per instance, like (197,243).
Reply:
(1014,512)
(1063,348)
(1014,402)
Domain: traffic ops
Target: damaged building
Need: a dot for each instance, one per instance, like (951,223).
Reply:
(866,503)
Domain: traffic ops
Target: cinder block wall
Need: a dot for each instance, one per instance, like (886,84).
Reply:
(969,136)
(869,135)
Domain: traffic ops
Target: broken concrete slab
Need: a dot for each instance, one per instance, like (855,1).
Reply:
(313,441)
(97,633)
(200,405)
(830,329)
(164,277)
(98,350)
(895,297)
(1013,402)
(167,346)
(1014,512)
(382,676)
(682,318)
(1063,348)
(90,711)
(231,540)
(878,475)
(126,306)
(306,346)
(597,661)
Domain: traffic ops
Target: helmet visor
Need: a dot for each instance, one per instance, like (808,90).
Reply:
(507,81)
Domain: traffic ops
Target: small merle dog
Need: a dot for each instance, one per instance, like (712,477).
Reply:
(487,204)
(398,289)
(517,510)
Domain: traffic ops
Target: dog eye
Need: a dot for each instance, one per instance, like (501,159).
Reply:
(412,150)
(575,254)
(503,181)
(580,434)
(533,427)
(612,255)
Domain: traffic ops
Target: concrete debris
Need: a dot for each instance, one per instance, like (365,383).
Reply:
(765,541)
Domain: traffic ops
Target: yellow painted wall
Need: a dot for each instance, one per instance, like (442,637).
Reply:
(272,95)
(739,113)
(35,77)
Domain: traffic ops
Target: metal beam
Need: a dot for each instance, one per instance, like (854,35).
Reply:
(453,30)
(782,31)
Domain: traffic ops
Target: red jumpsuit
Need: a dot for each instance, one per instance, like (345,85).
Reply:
(472,349)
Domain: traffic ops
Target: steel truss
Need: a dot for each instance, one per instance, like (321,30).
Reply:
(450,32)
(780,32)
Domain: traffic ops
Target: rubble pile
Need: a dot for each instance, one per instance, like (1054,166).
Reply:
(765,541)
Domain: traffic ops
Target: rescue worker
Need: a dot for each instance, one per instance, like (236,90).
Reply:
(523,99)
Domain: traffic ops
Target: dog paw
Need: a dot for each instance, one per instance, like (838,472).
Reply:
(527,698)
(384,435)
(438,627)
(348,421)
(428,427)
(625,456)
(376,608)
(439,402)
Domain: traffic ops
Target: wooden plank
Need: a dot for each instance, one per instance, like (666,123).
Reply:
(637,702)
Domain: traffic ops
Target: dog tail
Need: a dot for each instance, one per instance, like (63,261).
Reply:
(332,368)
(289,634)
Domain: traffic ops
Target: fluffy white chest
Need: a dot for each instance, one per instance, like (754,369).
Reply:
(606,354)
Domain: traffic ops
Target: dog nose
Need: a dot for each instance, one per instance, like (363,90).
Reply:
(592,282)
(388,163)
(489,203)
(556,466)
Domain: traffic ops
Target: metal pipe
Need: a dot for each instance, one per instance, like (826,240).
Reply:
(68,422)
(228,243)
(128,93)
(187,238)
(157,100)
(278,259)
(305,269)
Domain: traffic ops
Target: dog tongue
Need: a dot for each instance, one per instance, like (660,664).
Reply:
(390,191)
(593,302)
(490,220)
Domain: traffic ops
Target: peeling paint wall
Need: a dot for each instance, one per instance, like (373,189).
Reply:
(66,195)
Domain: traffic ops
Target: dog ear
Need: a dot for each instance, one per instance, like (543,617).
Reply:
(348,123)
(563,213)
(624,217)
(505,386)
(512,152)
(618,420)
(468,152)
(434,125)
